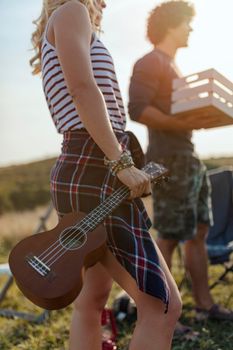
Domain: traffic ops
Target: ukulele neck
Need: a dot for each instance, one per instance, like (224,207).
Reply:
(157,173)
(96,216)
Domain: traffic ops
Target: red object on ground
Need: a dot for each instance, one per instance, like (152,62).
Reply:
(109,330)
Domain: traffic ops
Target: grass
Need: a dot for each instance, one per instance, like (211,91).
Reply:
(18,334)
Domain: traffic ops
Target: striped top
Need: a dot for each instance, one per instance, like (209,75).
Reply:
(60,103)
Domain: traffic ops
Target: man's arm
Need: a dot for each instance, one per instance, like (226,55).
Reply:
(144,87)
(155,119)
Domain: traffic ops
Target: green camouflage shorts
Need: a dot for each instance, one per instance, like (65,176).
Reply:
(184,201)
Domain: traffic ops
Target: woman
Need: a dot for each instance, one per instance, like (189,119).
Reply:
(85,103)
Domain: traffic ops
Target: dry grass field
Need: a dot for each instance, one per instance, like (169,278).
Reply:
(53,334)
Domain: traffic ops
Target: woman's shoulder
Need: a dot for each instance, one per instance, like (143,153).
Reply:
(72,4)
(71,8)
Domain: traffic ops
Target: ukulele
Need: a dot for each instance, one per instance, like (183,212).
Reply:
(48,267)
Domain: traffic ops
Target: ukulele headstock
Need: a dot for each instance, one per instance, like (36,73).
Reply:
(157,172)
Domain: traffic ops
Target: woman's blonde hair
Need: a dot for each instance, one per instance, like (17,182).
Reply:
(48,7)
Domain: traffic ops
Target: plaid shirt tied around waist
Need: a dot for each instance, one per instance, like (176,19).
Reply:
(80,182)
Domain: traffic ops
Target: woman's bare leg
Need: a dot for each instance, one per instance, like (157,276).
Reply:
(153,325)
(85,330)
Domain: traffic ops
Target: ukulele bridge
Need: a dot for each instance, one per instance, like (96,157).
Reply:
(38,265)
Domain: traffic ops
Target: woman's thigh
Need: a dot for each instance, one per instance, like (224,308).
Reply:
(127,282)
(97,285)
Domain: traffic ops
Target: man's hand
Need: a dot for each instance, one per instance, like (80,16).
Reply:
(192,122)
(153,118)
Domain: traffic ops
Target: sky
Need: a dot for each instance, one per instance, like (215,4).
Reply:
(27,132)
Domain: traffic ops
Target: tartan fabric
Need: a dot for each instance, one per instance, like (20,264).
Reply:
(80,181)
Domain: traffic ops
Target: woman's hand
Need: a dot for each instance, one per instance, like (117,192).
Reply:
(136,180)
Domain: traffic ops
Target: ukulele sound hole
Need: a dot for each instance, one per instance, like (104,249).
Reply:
(71,238)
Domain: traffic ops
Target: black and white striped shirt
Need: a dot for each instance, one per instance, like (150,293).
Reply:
(62,109)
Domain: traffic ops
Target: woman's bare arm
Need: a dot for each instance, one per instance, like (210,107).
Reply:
(73,32)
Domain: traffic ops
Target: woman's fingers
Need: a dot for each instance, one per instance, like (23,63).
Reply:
(141,185)
(137,181)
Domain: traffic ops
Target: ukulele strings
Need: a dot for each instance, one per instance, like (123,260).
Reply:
(74,239)
(121,191)
(95,214)
(80,224)
(92,213)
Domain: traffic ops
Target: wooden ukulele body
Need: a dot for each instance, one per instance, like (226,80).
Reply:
(50,291)
(48,266)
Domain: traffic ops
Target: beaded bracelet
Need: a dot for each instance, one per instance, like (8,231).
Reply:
(125,161)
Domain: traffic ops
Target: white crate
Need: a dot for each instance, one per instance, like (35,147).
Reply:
(205,92)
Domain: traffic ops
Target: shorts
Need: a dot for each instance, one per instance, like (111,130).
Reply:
(184,201)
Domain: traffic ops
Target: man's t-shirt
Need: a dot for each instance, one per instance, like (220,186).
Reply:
(151,85)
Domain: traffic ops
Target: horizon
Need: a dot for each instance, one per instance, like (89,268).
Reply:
(36,160)
(27,133)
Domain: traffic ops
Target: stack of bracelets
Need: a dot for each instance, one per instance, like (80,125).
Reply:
(125,161)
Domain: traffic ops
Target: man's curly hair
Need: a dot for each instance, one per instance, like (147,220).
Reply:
(169,14)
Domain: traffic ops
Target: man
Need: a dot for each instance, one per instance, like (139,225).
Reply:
(181,207)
